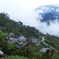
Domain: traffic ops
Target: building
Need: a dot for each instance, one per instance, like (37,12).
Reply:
(44,50)
(10,36)
(13,40)
(1,53)
(22,38)
(35,41)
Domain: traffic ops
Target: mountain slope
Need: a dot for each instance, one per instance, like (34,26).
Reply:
(7,25)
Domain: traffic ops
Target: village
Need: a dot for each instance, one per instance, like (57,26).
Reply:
(23,41)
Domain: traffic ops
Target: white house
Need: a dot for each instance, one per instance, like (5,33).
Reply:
(1,53)
(43,50)
(22,38)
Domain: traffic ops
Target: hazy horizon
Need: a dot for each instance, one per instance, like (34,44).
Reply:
(24,11)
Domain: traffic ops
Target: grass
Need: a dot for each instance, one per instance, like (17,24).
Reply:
(55,56)
(15,57)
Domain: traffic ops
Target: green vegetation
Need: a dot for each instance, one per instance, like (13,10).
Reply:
(7,26)
(56,55)
(15,57)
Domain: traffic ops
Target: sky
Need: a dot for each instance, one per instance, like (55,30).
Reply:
(24,10)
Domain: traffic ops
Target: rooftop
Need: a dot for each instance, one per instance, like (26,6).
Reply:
(1,52)
(44,50)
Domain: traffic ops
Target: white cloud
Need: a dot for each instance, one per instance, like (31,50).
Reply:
(52,29)
(23,10)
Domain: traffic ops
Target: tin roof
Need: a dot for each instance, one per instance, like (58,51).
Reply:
(1,52)
(44,50)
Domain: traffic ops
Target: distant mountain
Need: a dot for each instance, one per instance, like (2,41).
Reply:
(49,13)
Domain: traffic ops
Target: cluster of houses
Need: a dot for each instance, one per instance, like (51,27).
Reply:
(12,38)
(21,40)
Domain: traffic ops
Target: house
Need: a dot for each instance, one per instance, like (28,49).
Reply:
(47,52)
(11,36)
(35,41)
(44,50)
(1,53)
(13,40)
(22,38)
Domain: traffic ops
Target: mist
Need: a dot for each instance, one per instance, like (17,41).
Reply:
(31,19)
(52,29)
(24,11)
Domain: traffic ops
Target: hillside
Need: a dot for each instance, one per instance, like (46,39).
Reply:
(8,25)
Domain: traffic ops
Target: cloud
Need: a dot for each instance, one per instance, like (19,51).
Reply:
(23,10)
(52,29)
